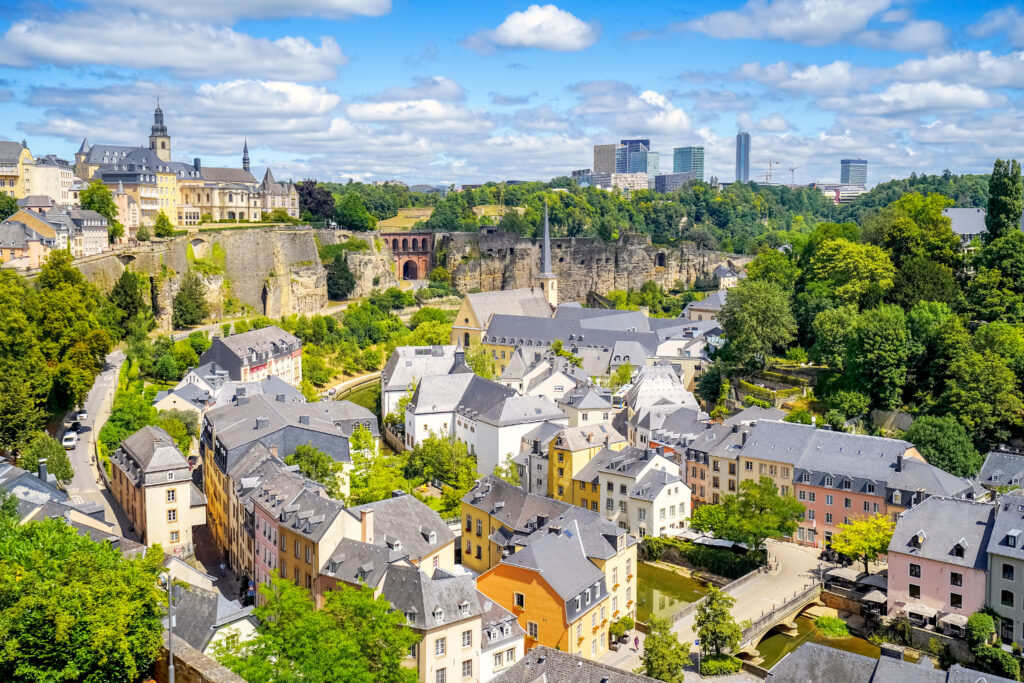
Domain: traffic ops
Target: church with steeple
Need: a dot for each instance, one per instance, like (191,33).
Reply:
(149,182)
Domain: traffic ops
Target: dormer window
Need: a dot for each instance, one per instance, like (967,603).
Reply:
(806,478)
(432,539)
(410,617)
(917,539)
(958,549)
(829,481)
(847,484)
(438,615)
(1012,538)
(897,497)
(464,608)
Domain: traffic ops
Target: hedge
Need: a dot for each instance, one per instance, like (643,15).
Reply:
(719,665)
(715,560)
(768,394)
(785,379)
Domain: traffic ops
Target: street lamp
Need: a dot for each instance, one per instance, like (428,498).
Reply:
(168,583)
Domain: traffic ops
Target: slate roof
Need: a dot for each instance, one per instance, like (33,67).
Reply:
(229,175)
(16,234)
(1001,468)
(10,151)
(966,222)
(151,451)
(517,330)
(544,665)
(407,520)
(579,438)
(946,523)
(724,271)
(753,414)
(560,560)
(654,383)
(310,514)
(35,200)
(650,486)
(447,393)
(423,597)
(511,505)
(671,418)
(712,302)
(355,562)
(1009,521)
(518,302)
(516,410)
(498,626)
(586,397)
(408,364)
(272,387)
(598,535)
(198,613)
(27,486)
(544,432)
(270,340)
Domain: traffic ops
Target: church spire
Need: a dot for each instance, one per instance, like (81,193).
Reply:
(245,155)
(545,258)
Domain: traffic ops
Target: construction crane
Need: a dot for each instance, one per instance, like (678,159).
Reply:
(768,175)
(792,174)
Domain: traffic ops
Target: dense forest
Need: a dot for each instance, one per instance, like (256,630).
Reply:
(741,217)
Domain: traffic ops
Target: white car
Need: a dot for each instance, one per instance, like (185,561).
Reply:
(82,416)
(69,441)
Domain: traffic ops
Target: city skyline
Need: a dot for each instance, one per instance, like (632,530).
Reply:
(520,91)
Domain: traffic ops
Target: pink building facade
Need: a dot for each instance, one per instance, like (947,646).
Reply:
(265,549)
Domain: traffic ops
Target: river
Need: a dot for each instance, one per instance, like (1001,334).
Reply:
(663,593)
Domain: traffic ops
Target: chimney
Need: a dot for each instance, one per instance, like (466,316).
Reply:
(661,450)
(736,428)
(460,357)
(899,462)
(397,493)
(303,419)
(241,400)
(607,440)
(366,525)
(273,451)
(743,438)
(280,398)
(42,470)
(240,391)
(541,521)
(197,164)
(262,422)
(536,446)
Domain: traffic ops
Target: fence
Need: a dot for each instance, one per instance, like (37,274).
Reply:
(766,620)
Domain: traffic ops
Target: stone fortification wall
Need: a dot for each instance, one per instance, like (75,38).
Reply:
(582,264)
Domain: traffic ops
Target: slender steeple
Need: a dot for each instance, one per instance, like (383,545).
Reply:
(245,155)
(159,138)
(546,279)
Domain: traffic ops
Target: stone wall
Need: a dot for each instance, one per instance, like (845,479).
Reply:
(582,264)
(191,666)
(376,265)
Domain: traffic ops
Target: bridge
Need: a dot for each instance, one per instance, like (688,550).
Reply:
(780,617)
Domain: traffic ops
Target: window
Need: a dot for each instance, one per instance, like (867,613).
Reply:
(748,465)
(170,495)
(829,481)
(593,620)
(956,600)
(867,506)
(609,504)
(828,499)
(469,523)
(958,550)
(296,548)
(622,506)
(497,659)
(811,496)
(915,591)
(622,489)
(896,497)
(805,478)
(510,656)
(915,570)
(641,514)
(801,495)
(593,648)
(467,638)
(1008,572)
(531,629)
(174,537)
(847,503)
(561,490)
(309,581)
(956,579)
(576,601)
(439,647)
(1006,598)
(172,515)
(871,488)
(828,518)
(847,484)
(519,600)
(661,513)
(439,677)
(309,554)
(810,514)
(467,668)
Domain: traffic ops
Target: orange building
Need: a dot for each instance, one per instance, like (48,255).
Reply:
(558,595)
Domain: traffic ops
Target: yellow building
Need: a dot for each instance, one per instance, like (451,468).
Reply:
(570,450)
(16,165)
(477,309)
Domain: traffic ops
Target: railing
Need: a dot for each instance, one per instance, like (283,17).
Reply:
(768,619)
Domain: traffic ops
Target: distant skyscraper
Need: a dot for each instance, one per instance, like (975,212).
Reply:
(633,158)
(653,163)
(853,172)
(743,156)
(604,158)
(688,160)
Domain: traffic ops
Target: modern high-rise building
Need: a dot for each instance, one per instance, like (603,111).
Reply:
(743,157)
(633,158)
(853,172)
(653,163)
(688,160)
(604,158)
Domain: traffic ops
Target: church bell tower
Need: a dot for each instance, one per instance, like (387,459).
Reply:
(159,140)
(546,279)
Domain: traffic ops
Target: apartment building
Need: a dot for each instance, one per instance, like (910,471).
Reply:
(503,640)
(569,452)
(587,405)
(256,354)
(409,364)
(1005,589)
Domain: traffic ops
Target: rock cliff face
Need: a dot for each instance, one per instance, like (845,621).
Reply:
(373,269)
(582,264)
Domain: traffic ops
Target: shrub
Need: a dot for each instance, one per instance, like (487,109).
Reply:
(621,627)
(832,627)
(796,355)
(998,661)
(719,665)
(980,629)
(714,560)
(751,401)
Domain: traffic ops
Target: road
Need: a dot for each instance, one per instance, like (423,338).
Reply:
(85,486)
(796,567)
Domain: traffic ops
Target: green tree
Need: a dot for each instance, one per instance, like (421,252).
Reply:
(864,538)
(189,306)
(74,609)
(708,518)
(757,321)
(990,296)
(982,393)
(142,234)
(479,361)
(877,354)
(44,447)
(774,266)
(921,279)
(163,227)
(20,416)
(980,629)
(832,328)
(441,275)
(507,471)
(340,279)
(759,512)
(374,478)
(664,656)
(8,206)
(97,197)
(1005,203)
(622,376)
(914,225)
(944,443)
(715,627)
(129,296)
(318,466)
(355,638)
(352,213)
(856,273)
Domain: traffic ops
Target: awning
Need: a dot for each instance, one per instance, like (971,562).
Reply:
(875,596)
(844,573)
(875,580)
(919,609)
(954,620)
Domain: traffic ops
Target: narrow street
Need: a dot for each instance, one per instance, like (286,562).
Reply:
(797,566)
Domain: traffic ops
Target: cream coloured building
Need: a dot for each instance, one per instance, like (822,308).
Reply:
(152,483)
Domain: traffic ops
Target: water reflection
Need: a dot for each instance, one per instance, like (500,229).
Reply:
(663,593)
(777,645)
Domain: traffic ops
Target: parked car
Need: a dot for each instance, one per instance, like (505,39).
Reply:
(76,426)
(82,416)
(69,441)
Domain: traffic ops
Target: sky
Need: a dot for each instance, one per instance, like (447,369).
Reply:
(462,91)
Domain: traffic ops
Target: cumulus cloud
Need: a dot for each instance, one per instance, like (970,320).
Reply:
(773,123)
(1008,22)
(925,97)
(914,36)
(545,27)
(622,110)
(810,22)
(982,69)
(186,49)
(435,88)
(228,10)
(719,100)
(540,118)
(510,100)
(837,78)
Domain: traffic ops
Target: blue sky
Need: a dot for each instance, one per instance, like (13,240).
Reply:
(466,91)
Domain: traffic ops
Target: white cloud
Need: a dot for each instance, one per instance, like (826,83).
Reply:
(186,49)
(929,97)
(436,87)
(622,111)
(829,79)
(810,22)
(228,10)
(540,118)
(1007,21)
(773,123)
(914,36)
(982,69)
(540,26)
